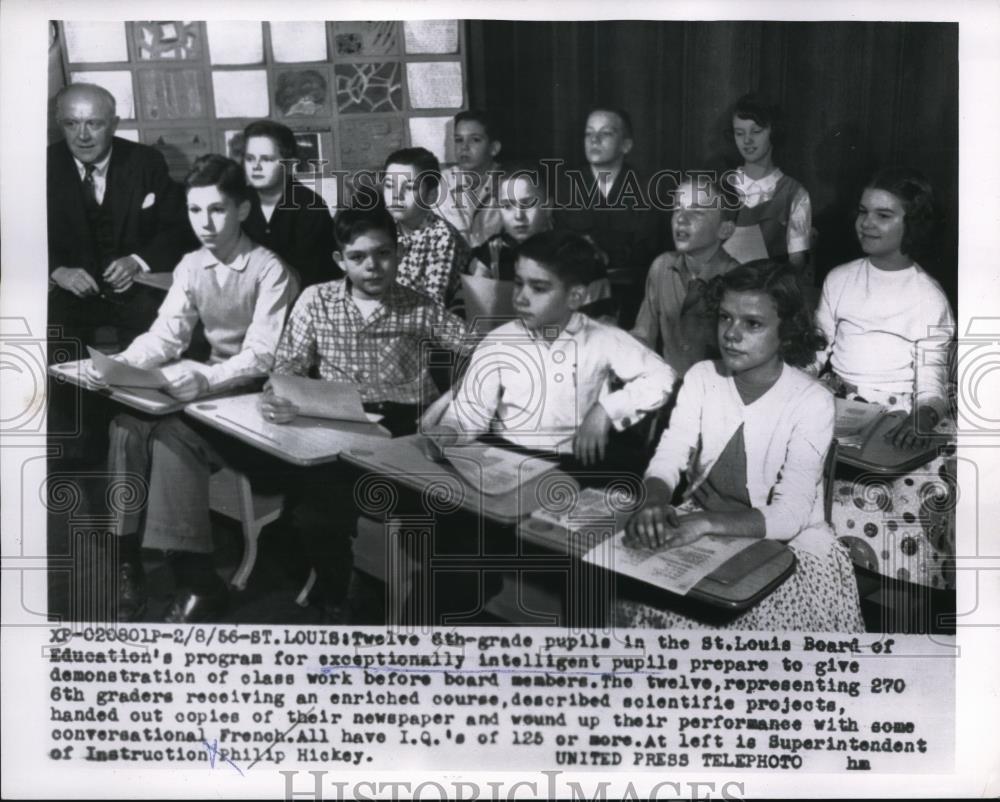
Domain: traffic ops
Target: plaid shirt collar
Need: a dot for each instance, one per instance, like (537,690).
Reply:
(394,298)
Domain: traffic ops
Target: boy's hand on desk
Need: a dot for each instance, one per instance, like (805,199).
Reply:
(188,386)
(592,436)
(75,280)
(276,409)
(91,374)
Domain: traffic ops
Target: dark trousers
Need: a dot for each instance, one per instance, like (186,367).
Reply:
(131,313)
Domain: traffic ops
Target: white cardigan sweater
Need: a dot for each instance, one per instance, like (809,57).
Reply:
(787,432)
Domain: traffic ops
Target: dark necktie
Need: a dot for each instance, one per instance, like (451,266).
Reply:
(89,190)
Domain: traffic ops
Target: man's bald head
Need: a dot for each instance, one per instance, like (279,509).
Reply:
(97,95)
(86,114)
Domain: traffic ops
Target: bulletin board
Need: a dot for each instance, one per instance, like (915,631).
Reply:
(352,91)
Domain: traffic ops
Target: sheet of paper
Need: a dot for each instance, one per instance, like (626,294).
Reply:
(117,374)
(431,36)
(298,41)
(240,93)
(432,133)
(854,421)
(495,471)
(235,42)
(434,84)
(487,298)
(321,399)
(592,504)
(677,570)
(95,41)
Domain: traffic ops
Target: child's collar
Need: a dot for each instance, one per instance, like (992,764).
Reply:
(576,322)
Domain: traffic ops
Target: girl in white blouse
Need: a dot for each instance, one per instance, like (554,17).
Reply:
(889,328)
(751,432)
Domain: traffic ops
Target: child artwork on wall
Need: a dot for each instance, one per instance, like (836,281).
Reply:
(365,38)
(368,87)
(172,40)
(301,93)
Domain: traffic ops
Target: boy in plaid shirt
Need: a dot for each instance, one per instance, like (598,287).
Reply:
(368,329)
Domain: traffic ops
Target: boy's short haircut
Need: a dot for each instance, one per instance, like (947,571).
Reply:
(349,224)
(719,188)
(420,159)
(215,170)
(623,115)
(762,111)
(281,135)
(800,339)
(573,259)
(920,215)
(482,117)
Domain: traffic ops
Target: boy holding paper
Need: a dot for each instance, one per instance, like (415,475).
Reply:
(241,292)
(369,330)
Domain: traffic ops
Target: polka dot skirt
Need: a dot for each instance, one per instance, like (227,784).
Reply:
(902,526)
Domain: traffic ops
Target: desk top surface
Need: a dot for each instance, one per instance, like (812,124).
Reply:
(881,457)
(403,461)
(305,441)
(150,401)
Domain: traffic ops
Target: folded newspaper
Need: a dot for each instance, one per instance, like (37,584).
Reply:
(674,569)
(495,471)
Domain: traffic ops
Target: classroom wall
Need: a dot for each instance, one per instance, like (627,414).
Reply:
(856,96)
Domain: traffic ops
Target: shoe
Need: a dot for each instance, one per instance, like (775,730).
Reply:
(131,592)
(192,608)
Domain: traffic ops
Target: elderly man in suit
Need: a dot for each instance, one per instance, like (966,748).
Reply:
(113,211)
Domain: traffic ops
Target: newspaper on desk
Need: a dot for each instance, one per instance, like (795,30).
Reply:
(677,569)
(495,471)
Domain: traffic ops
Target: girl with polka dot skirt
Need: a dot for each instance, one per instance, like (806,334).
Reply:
(883,316)
(750,434)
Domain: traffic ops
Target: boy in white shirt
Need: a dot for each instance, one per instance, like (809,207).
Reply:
(545,376)
(241,292)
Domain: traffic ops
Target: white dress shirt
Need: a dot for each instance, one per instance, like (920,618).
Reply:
(538,392)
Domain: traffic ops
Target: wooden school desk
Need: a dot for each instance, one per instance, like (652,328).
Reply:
(736,585)
(878,456)
(304,442)
(404,462)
